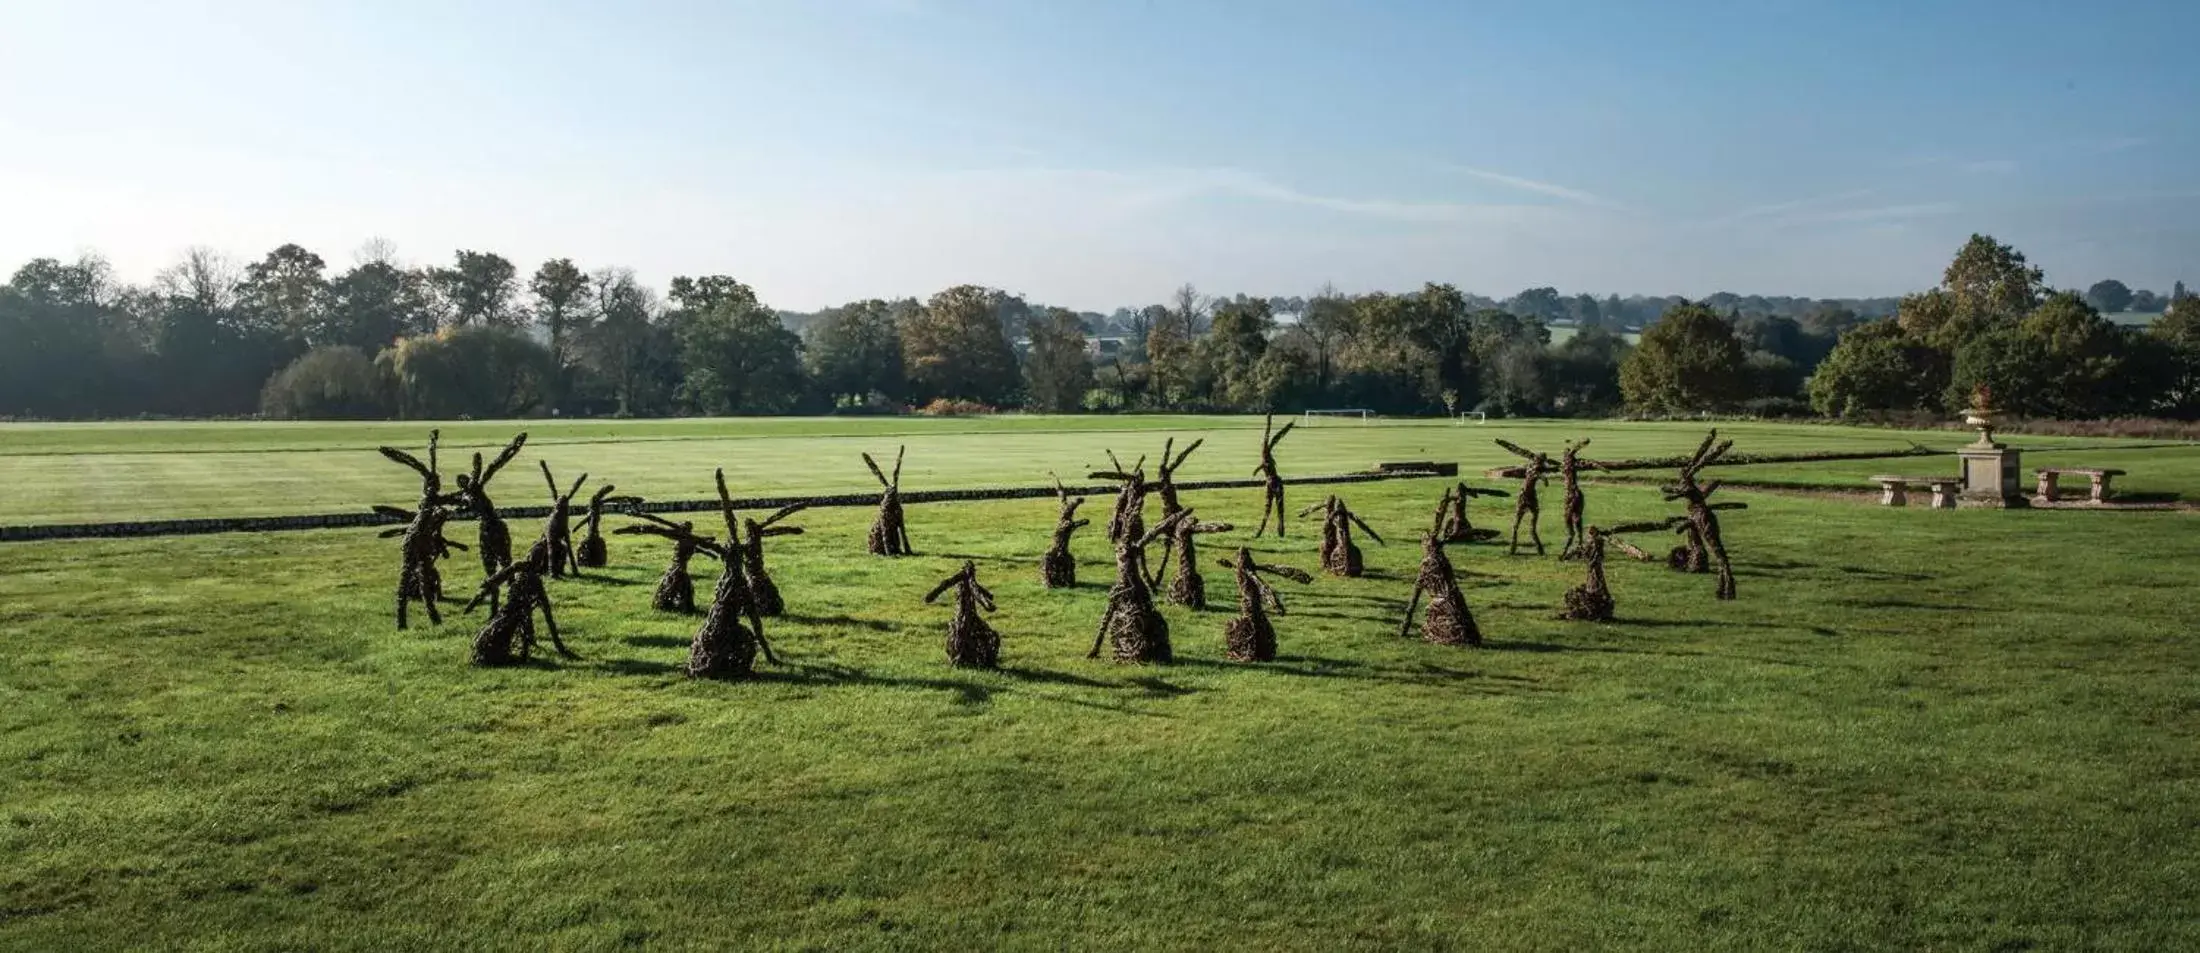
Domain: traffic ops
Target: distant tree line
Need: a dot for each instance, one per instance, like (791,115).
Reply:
(287,336)
(2040,352)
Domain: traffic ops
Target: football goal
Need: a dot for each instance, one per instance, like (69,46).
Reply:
(1477,416)
(1366,416)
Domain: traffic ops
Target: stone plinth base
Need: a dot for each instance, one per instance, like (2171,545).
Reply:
(1990,477)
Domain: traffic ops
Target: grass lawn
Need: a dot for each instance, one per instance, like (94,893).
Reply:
(1916,729)
(65,473)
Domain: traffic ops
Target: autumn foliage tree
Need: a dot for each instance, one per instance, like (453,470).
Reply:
(953,347)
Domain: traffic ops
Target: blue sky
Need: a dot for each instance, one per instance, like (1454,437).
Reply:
(1098,154)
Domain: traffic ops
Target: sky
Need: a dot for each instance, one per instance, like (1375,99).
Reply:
(1100,153)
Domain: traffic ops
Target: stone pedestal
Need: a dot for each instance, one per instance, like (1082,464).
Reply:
(1990,476)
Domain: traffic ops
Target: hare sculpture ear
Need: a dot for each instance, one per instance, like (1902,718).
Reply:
(407,459)
(875,471)
(898,453)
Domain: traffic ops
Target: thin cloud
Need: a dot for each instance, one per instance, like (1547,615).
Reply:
(1528,185)
(1882,213)
(1967,166)
(1776,209)
(1146,188)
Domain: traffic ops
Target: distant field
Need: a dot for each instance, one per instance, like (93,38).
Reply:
(90,472)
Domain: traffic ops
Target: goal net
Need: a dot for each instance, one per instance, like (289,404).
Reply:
(1365,416)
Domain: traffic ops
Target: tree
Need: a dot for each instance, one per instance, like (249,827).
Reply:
(1169,347)
(562,294)
(625,347)
(1542,303)
(1057,371)
(331,383)
(478,289)
(1234,345)
(1877,367)
(2109,296)
(953,347)
(286,294)
(1688,361)
(1583,372)
(854,350)
(702,294)
(482,372)
(1325,322)
(2176,351)
(736,357)
(1991,282)
(372,305)
(2147,302)
(1931,317)
(2088,366)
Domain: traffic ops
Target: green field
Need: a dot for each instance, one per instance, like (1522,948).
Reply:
(61,473)
(1916,729)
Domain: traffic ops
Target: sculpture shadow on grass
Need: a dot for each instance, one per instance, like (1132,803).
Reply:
(657,641)
(1419,673)
(846,621)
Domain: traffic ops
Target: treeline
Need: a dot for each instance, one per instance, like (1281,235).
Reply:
(288,337)
(1994,323)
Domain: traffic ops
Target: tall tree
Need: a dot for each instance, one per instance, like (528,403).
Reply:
(562,292)
(287,294)
(625,346)
(1057,371)
(1169,347)
(1992,283)
(1688,361)
(1235,343)
(854,350)
(1325,322)
(953,347)
(735,356)
(479,288)
(372,305)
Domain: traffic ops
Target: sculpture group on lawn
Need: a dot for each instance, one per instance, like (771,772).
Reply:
(731,633)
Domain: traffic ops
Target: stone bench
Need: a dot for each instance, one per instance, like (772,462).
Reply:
(1895,490)
(2048,475)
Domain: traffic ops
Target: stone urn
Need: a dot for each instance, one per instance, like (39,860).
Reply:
(1989,467)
